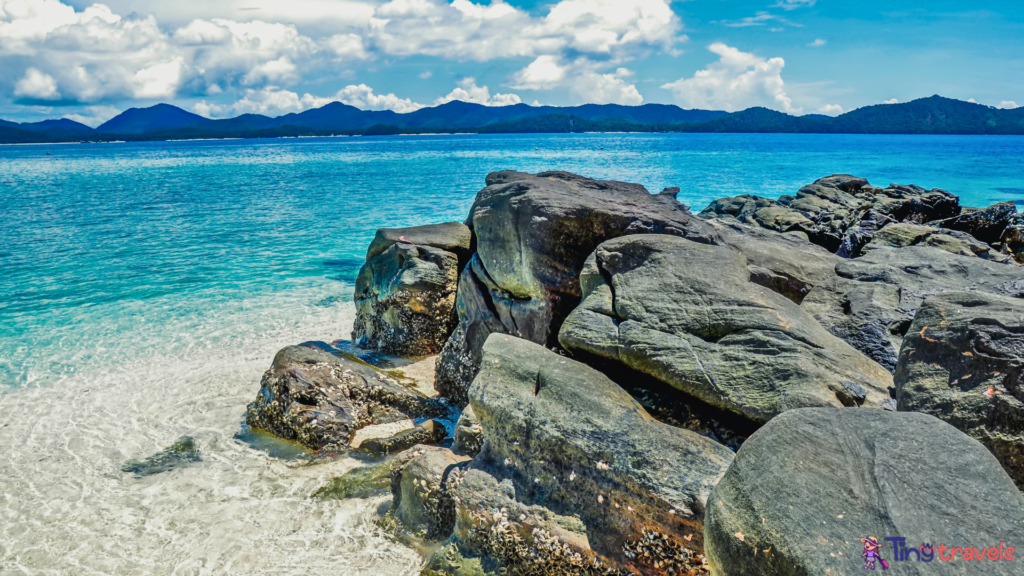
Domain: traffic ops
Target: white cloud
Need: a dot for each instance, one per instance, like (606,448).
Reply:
(972,100)
(95,116)
(582,78)
(544,73)
(1008,105)
(831,109)
(37,85)
(274,101)
(468,91)
(818,42)
(736,81)
(426,74)
(793,4)
(463,30)
(362,96)
(891,101)
(347,46)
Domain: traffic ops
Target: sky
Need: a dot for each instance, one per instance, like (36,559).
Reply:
(220,58)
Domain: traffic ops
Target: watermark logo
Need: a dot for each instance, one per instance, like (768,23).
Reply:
(928,553)
(871,555)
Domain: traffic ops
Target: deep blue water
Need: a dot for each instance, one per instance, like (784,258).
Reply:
(113,251)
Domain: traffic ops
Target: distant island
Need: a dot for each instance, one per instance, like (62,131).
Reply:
(933,115)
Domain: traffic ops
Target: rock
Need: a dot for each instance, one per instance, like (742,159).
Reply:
(533,233)
(405,292)
(469,434)
(319,397)
(688,315)
(840,212)
(572,441)
(422,488)
(429,432)
(961,243)
(963,362)
(1012,240)
(985,224)
(452,237)
(182,453)
(806,487)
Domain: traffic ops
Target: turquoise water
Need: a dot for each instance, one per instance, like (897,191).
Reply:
(145,287)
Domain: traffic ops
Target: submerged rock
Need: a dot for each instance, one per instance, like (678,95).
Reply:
(963,361)
(688,315)
(183,452)
(809,485)
(533,233)
(568,439)
(320,397)
(362,482)
(405,293)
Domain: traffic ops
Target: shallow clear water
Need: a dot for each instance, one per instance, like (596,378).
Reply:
(144,288)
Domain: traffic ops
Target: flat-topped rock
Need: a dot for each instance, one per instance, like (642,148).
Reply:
(405,292)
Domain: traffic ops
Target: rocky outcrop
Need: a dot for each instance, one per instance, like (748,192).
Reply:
(985,224)
(963,361)
(952,241)
(839,212)
(689,315)
(809,485)
(405,292)
(571,440)
(533,233)
(319,397)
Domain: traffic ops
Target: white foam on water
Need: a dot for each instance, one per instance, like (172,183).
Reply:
(67,508)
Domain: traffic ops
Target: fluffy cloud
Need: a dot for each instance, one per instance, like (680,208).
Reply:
(94,115)
(362,96)
(831,109)
(891,101)
(464,30)
(1008,105)
(736,81)
(582,78)
(468,91)
(37,85)
(818,42)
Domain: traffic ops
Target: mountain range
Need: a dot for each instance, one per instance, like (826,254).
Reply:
(933,115)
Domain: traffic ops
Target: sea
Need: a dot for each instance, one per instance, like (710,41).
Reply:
(145,287)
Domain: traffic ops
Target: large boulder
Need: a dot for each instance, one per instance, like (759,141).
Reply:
(689,315)
(533,233)
(319,397)
(572,441)
(840,212)
(952,241)
(405,292)
(809,485)
(421,487)
(985,224)
(963,361)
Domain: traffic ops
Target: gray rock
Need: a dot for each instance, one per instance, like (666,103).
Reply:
(468,437)
(985,224)
(963,362)
(809,485)
(429,432)
(961,243)
(840,212)
(319,397)
(422,488)
(533,233)
(688,315)
(572,441)
(183,452)
(405,292)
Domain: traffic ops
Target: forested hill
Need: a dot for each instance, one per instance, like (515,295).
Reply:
(933,115)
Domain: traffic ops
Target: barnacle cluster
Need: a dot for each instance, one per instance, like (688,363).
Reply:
(665,554)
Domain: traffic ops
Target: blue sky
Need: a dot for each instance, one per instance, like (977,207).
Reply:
(89,61)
